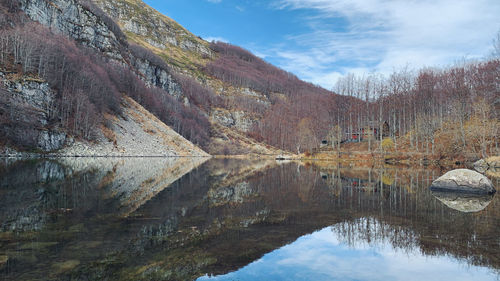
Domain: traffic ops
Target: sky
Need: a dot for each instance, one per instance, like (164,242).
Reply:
(322,40)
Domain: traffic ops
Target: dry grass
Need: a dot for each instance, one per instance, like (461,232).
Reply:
(493,159)
(109,134)
(237,143)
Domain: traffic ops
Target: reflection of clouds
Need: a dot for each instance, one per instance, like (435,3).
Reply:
(322,256)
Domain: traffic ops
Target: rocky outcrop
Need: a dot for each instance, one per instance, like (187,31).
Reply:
(27,103)
(158,30)
(51,140)
(233,119)
(463,181)
(481,166)
(157,76)
(75,20)
(97,31)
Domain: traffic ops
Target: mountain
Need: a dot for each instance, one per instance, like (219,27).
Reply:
(68,75)
(220,97)
(71,69)
(252,91)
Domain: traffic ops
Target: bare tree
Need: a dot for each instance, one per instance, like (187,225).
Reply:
(496,46)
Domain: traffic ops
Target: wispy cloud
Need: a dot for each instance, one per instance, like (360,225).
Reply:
(214,1)
(215,38)
(381,35)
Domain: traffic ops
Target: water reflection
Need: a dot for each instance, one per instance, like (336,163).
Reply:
(326,255)
(462,202)
(180,218)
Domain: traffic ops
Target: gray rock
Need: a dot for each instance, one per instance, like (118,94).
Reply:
(158,30)
(233,119)
(157,76)
(481,166)
(74,20)
(466,203)
(29,100)
(463,181)
(51,140)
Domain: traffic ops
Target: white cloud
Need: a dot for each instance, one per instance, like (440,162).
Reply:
(214,1)
(381,35)
(215,38)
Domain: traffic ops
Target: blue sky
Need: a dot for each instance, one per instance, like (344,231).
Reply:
(321,40)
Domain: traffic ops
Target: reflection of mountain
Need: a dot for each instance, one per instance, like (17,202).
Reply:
(228,213)
(134,181)
(128,182)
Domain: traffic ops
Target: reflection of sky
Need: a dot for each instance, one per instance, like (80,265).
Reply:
(320,256)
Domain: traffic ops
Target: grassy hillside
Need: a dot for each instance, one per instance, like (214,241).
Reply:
(162,35)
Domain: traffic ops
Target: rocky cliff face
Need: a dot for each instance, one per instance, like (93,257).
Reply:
(233,119)
(27,105)
(157,76)
(71,18)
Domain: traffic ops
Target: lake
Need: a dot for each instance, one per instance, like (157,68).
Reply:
(222,219)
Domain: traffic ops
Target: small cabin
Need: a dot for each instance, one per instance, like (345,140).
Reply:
(369,131)
(372,129)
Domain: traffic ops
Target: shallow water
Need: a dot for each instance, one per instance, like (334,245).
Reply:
(187,219)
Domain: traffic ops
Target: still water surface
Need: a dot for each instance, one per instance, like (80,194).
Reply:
(189,219)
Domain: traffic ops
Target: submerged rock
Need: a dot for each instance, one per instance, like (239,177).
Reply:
(3,261)
(61,267)
(463,181)
(466,203)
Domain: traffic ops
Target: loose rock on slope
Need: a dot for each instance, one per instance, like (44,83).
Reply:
(136,133)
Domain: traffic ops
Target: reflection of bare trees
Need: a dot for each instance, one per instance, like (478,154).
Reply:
(372,231)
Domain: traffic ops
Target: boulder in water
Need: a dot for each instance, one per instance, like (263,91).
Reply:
(463,181)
